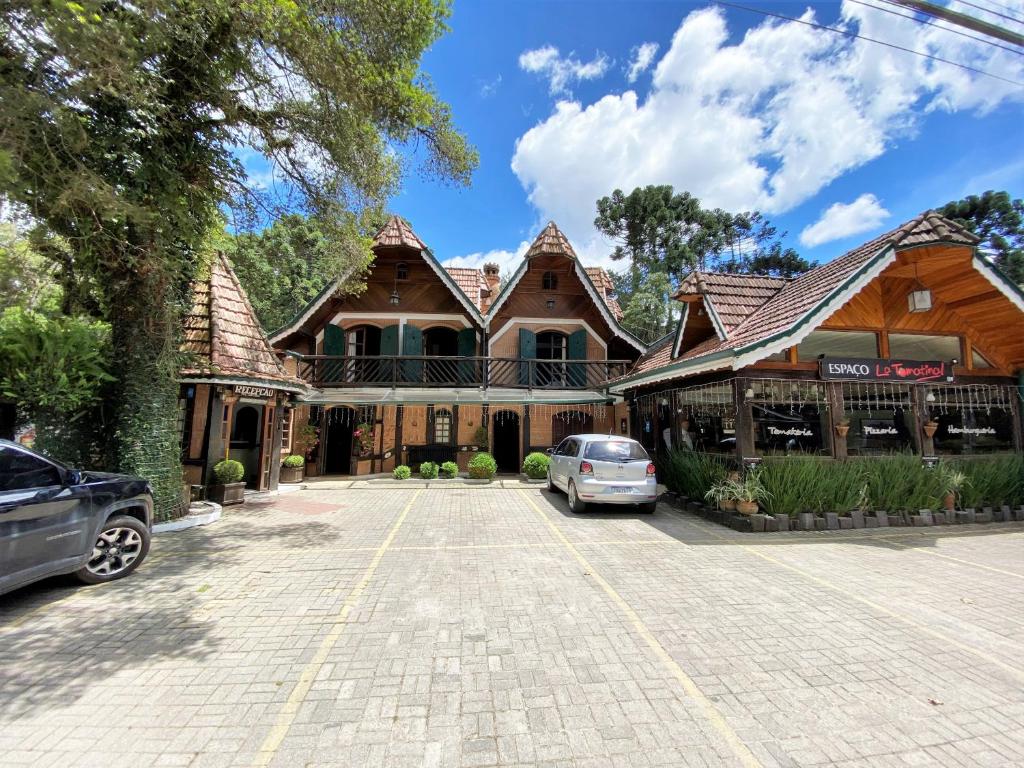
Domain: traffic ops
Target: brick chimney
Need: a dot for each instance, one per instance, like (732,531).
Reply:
(492,276)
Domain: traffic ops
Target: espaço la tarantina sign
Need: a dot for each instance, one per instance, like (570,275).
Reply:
(868,369)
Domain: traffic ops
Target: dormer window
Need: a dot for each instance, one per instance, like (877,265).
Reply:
(550,281)
(401,271)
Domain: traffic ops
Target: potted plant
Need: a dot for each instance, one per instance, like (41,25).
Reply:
(449,470)
(305,443)
(228,488)
(843,427)
(482,467)
(291,468)
(930,428)
(723,494)
(480,439)
(362,440)
(951,481)
(749,492)
(401,472)
(428,470)
(535,466)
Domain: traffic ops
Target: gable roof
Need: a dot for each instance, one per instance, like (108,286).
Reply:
(603,282)
(733,297)
(223,337)
(396,233)
(471,282)
(798,305)
(552,242)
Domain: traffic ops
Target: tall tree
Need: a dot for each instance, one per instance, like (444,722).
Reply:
(665,235)
(121,126)
(999,221)
(286,265)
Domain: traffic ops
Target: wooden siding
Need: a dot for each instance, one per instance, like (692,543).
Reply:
(508,344)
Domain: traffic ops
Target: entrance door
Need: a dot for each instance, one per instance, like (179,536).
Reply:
(570,423)
(341,423)
(246,440)
(506,441)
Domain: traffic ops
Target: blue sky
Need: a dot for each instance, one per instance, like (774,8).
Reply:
(833,139)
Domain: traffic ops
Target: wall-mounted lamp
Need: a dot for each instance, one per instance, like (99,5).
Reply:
(550,304)
(395,298)
(930,397)
(749,393)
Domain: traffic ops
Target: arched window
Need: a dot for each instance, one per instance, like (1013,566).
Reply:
(245,431)
(551,345)
(443,427)
(401,271)
(550,281)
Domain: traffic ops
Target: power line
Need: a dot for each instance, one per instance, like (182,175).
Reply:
(856,36)
(963,20)
(919,20)
(994,13)
(1004,7)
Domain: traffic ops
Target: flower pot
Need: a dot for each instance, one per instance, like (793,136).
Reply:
(291,474)
(930,429)
(949,502)
(746,507)
(842,429)
(727,505)
(226,495)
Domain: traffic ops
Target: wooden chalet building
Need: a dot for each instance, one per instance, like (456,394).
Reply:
(910,342)
(234,391)
(432,364)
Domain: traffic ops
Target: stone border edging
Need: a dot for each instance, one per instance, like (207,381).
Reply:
(193,519)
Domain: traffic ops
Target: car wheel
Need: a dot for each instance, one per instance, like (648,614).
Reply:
(648,508)
(574,500)
(551,484)
(120,548)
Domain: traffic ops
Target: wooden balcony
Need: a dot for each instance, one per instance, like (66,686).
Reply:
(323,371)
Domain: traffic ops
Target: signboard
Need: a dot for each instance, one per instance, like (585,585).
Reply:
(868,369)
(243,390)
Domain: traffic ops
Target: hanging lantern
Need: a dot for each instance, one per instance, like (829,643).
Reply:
(919,301)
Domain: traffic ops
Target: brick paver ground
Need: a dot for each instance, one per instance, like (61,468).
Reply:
(480,626)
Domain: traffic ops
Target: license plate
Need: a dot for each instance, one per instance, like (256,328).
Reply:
(620,489)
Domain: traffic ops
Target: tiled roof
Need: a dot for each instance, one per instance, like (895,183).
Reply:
(735,297)
(397,232)
(785,306)
(551,241)
(222,334)
(472,283)
(603,282)
(657,355)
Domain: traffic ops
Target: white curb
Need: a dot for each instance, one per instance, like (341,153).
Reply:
(200,513)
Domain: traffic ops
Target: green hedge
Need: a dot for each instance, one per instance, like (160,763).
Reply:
(228,471)
(992,481)
(690,473)
(536,466)
(449,469)
(401,472)
(482,466)
(428,470)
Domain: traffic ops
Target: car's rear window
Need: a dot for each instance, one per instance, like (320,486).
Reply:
(615,450)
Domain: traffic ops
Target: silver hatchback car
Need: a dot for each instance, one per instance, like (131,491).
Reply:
(603,469)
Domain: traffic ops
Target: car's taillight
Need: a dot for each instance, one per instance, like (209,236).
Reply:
(650,470)
(586,468)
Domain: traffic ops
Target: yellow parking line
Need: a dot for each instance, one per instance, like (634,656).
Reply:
(958,560)
(291,707)
(742,752)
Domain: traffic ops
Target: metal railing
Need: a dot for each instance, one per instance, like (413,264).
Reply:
(428,371)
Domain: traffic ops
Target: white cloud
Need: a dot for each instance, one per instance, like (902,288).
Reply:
(763,123)
(562,72)
(640,59)
(845,219)
(490,87)
(507,260)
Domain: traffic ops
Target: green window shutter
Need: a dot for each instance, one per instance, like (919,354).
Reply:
(576,349)
(467,348)
(334,344)
(527,351)
(389,340)
(412,346)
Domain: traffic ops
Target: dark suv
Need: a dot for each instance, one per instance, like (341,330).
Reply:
(58,520)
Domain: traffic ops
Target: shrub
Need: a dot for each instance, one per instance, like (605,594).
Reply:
(228,471)
(449,469)
(428,470)
(536,466)
(992,481)
(401,472)
(482,467)
(690,473)
(900,481)
(294,461)
(807,484)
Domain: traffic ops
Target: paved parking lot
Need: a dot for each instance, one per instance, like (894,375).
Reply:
(480,626)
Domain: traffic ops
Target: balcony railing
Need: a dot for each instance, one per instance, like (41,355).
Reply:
(427,371)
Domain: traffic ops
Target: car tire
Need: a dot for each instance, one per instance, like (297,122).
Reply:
(648,508)
(121,546)
(552,488)
(575,504)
